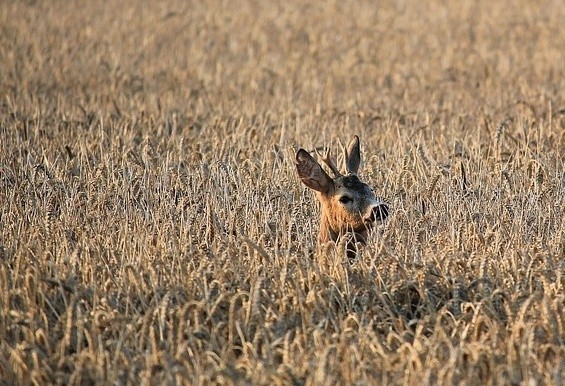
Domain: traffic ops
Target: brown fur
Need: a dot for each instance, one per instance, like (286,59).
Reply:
(355,215)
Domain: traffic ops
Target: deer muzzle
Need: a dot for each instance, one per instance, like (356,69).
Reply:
(377,213)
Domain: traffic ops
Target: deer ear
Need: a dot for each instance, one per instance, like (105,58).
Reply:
(353,156)
(311,173)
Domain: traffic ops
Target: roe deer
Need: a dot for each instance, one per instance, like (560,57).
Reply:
(348,205)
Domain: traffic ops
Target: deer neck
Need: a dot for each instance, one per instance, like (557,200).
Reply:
(330,232)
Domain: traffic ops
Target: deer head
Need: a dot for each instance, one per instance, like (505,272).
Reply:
(348,204)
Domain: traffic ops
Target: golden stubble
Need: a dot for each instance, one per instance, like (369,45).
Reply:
(153,229)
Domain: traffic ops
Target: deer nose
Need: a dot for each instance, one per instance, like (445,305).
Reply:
(378,213)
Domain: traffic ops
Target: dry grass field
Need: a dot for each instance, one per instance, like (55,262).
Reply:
(153,229)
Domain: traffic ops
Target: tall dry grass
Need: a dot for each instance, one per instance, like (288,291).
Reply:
(153,229)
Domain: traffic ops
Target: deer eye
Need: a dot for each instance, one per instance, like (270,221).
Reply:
(345,199)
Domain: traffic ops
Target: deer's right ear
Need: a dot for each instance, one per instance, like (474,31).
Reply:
(311,173)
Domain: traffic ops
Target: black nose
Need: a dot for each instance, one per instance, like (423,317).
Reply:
(379,213)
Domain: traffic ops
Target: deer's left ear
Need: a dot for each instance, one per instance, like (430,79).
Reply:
(353,156)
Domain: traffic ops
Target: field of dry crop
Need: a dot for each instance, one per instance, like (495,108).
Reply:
(153,229)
